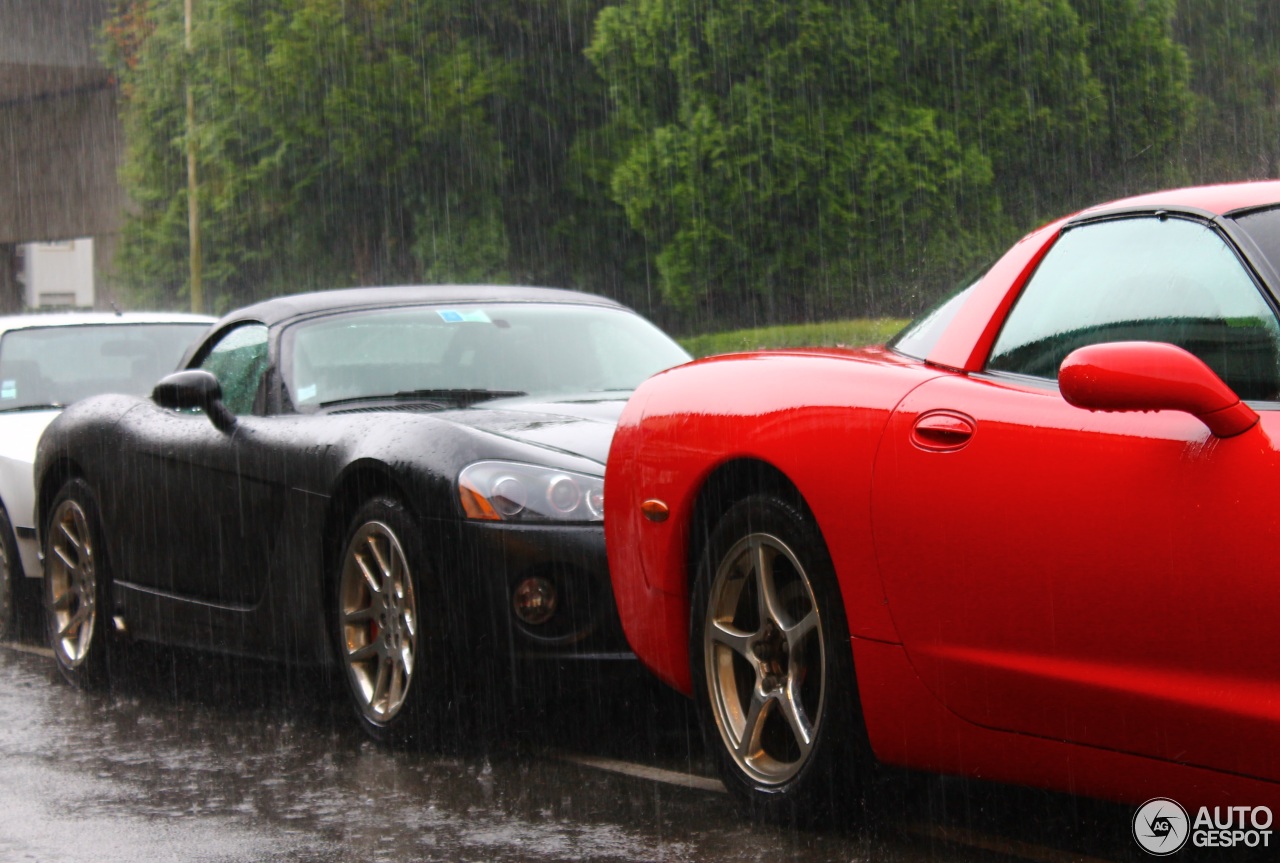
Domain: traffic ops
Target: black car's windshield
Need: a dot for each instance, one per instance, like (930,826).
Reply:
(475,351)
(56,365)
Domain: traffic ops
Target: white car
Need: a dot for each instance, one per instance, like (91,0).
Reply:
(48,361)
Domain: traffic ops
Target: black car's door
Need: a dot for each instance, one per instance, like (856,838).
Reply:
(203,504)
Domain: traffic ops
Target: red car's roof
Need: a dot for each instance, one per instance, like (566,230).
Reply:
(1220,199)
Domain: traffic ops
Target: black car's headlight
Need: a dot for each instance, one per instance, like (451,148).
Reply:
(511,491)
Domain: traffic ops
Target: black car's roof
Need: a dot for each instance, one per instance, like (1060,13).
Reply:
(297,305)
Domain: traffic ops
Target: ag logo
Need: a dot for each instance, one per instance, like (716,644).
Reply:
(1161,826)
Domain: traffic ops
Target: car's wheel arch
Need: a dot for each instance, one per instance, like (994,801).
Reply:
(657,619)
(59,473)
(359,483)
(724,486)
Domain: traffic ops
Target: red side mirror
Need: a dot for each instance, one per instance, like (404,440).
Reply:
(1152,376)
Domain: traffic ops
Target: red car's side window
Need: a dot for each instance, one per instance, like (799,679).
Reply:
(1156,279)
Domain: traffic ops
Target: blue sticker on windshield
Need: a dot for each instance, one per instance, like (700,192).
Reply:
(474,316)
(8,389)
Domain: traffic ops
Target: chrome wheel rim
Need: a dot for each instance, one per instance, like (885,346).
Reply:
(73,583)
(765,660)
(378,620)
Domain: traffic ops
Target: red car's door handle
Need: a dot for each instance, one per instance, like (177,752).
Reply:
(942,430)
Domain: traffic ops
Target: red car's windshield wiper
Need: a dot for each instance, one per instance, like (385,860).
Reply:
(37,407)
(458,396)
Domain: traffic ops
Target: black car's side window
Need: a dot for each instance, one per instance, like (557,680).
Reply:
(1150,279)
(238,361)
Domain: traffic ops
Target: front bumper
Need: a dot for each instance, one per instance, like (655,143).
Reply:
(494,558)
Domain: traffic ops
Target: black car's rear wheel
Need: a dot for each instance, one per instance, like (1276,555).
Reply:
(77,587)
(382,645)
(772,665)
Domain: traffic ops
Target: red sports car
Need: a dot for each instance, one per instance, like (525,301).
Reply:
(1028,540)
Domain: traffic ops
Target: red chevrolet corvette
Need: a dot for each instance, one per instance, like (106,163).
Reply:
(1031,539)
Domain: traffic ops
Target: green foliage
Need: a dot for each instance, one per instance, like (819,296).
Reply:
(713,162)
(842,333)
(790,160)
(1144,77)
(1234,51)
(1012,80)
(339,141)
(769,158)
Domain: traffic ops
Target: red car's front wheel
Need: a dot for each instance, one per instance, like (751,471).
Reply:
(772,663)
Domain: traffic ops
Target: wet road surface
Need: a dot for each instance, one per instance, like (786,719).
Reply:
(191,759)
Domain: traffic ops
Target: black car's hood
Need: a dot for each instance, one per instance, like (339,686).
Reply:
(580,425)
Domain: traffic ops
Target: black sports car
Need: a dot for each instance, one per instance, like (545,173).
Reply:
(405,481)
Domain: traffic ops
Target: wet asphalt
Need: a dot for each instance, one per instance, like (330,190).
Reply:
(193,759)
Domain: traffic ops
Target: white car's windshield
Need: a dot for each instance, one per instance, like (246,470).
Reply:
(54,366)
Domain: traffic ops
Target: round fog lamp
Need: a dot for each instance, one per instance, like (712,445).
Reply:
(534,600)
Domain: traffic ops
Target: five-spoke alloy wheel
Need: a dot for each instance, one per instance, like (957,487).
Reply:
(771,661)
(77,587)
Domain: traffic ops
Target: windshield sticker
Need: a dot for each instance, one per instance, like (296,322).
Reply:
(8,389)
(305,393)
(474,316)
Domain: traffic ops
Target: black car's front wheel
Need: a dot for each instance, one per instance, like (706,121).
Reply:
(77,587)
(382,644)
(772,665)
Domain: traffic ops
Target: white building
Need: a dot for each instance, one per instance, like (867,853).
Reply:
(58,275)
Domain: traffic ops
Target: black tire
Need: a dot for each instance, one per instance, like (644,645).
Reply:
(392,663)
(773,682)
(11,579)
(77,588)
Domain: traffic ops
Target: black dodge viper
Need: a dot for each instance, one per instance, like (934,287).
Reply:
(404,482)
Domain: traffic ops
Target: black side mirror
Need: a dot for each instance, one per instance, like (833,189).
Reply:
(194,388)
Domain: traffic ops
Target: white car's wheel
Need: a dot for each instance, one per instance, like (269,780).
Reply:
(10,578)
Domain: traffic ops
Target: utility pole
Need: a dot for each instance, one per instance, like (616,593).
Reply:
(193,204)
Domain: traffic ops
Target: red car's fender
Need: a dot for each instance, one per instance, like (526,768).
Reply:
(782,409)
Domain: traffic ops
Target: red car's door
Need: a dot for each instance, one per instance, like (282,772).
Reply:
(1102,578)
